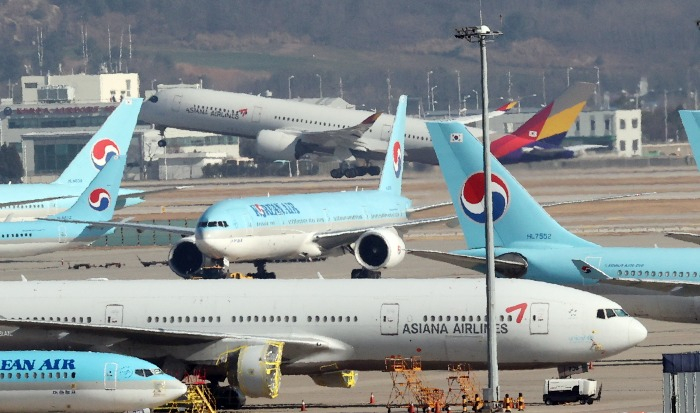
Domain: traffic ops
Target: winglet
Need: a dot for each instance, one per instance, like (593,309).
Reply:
(590,272)
(691,123)
(371,119)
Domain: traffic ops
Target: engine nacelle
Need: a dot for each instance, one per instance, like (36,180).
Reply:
(380,248)
(185,259)
(345,379)
(255,370)
(276,145)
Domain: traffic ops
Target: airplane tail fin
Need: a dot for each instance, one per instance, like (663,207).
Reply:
(691,123)
(392,173)
(519,220)
(99,198)
(550,124)
(113,138)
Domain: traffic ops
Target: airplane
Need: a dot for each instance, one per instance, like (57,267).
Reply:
(659,283)
(252,332)
(302,227)
(31,201)
(288,130)
(96,203)
(78,381)
(540,138)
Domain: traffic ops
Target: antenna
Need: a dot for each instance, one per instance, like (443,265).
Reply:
(85,47)
(40,49)
(121,43)
(109,47)
(129,42)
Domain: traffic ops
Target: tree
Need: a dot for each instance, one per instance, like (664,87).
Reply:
(11,169)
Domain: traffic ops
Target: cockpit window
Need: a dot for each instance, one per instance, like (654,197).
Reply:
(620,312)
(211,224)
(148,372)
(153,99)
(610,313)
(601,313)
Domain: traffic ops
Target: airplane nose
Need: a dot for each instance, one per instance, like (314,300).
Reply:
(637,332)
(173,390)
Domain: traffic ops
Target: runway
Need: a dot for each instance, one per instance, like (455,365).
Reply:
(632,381)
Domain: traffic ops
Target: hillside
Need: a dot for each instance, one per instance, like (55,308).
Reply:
(255,46)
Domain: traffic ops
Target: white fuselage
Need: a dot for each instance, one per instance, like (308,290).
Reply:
(354,324)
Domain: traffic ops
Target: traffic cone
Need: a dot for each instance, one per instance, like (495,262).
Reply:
(303,406)
(371,398)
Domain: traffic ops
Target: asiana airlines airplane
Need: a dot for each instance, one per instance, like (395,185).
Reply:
(253,332)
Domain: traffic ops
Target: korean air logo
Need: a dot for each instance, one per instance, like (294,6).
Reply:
(99,199)
(398,161)
(586,269)
(472,197)
(103,151)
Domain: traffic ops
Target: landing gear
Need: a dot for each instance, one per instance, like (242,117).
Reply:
(365,273)
(348,171)
(228,398)
(261,272)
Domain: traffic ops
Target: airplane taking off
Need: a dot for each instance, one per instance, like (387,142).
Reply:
(659,283)
(21,201)
(304,227)
(541,137)
(288,130)
(77,381)
(251,332)
(96,203)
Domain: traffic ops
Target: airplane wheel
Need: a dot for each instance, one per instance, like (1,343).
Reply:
(350,173)
(374,170)
(336,173)
(361,170)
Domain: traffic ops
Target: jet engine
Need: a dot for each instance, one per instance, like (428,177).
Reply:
(345,379)
(185,259)
(255,370)
(276,145)
(380,248)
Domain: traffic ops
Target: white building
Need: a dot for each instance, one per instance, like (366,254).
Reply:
(103,88)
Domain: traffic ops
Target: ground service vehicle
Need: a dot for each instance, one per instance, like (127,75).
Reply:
(570,390)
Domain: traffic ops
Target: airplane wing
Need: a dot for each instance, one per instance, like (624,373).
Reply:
(673,287)
(603,198)
(94,336)
(469,261)
(138,193)
(184,231)
(428,207)
(333,239)
(31,201)
(685,236)
(497,112)
(347,136)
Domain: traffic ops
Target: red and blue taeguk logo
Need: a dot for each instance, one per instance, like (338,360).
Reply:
(472,197)
(398,161)
(103,151)
(99,199)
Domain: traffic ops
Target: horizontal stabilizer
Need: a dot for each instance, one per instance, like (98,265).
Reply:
(589,271)
(468,261)
(685,236)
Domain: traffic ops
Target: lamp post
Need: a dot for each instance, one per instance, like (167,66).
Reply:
(289,85)
(544,90)
(477,98)
(152,83)
(597,82)
(459,92)
(483,34)
(568,78)
(429,99)
(320,86)
(432,98)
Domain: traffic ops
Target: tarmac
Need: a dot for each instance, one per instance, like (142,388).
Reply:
(632,381)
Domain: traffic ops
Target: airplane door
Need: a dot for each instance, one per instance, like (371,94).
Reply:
(386,133)
(177,99)
(389,319)
(62,234)
(114,314)
(110,376)
(257,113)
(539,318)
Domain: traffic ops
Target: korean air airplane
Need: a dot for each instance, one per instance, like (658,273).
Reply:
(660,283)
(289,130)
(96,203)
(252,332)
(30,201)
(304,227)
(75,381)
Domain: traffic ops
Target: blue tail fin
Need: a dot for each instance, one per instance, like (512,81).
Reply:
(113,138)
(98,200)
(691,123)
(393,163)
(519,220)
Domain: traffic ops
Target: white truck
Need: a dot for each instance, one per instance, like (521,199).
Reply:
(570,390)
